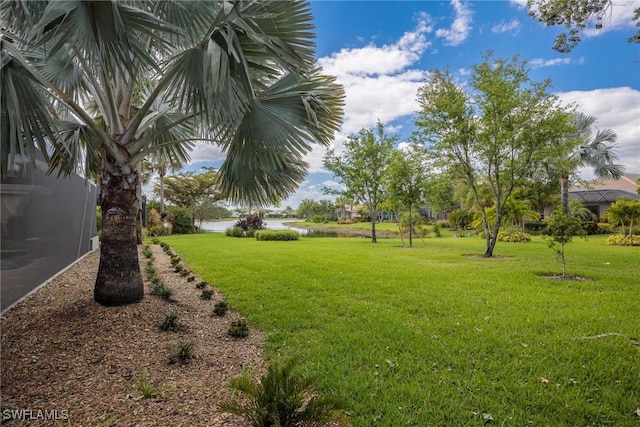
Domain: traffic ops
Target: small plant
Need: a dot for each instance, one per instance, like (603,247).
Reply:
(145,389)
(161,290)
(239,328)
(220,309)
(170,322)
(182,352)
(178,268)
(147,252)
(206,294)
(191,278)
(175,260)
(184,272)
(561,228)
(283,398)
(201,285)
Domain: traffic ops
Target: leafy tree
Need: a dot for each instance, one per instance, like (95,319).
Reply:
(163,75)
(561,229)
(406,180)
(196,192)
(495,135)
(362,168)
(576,15)
(309,208)
(624,212)
(583,148)
(440,193)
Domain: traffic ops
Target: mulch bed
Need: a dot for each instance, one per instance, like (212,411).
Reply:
(65,354)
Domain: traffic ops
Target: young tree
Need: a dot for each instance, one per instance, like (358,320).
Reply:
(576,15)
(406,180)
(493,136)
(241,75)
(561,229)
(361,168)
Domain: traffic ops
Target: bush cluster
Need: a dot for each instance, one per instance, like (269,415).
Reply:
(514,236)
(343,220)
(592,227)
(239,328)
(623,240)
(277,235)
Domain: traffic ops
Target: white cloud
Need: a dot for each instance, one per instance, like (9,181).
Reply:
(520,4)
(507,27)
(619,15)
(617,109)
(203,152)
(539,63)
(379,82)
(461,26)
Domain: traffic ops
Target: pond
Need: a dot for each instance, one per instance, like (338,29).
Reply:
(270,223)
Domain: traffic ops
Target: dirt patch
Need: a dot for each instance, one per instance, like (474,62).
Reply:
(63,352)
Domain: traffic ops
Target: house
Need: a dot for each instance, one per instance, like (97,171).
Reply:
(598,195)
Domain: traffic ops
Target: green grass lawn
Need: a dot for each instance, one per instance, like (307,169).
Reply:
(430,336)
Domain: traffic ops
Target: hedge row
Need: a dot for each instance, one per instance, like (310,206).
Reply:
(277,235)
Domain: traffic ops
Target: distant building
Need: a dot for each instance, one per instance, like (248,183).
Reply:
(598,195)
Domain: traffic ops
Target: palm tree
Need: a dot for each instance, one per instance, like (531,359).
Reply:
(163,75)
(589,150)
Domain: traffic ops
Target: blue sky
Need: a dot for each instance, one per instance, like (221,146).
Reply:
(381,50)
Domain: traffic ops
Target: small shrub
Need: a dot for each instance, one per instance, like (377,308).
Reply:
(170,322)
(182,352)
(285,398)
(191,278)
(182,221)
(605,228)
(279,235)
(184,272)
(201,285)
(515,237)
(436,230)
(207,294)
(145,389)
(252,222)
(220,309)
(234,232)
(178,268)
(623,240)
(150,269)
(165,246)
(147,252)
(161,290)
(239,328)
(175,260)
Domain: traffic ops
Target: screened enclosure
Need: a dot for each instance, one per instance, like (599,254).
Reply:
(48,222)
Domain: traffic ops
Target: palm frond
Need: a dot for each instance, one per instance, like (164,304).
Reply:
(78,145)
(27,116)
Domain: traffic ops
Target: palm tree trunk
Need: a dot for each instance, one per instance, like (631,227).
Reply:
(119,281)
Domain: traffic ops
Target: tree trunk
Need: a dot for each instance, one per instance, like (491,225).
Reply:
(564,194)
(119,281)
(374,217)
(410,229)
